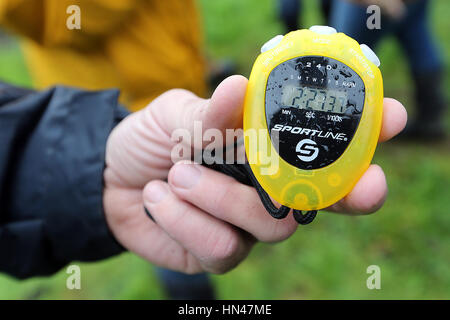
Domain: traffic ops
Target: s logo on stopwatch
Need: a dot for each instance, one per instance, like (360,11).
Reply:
(307,150)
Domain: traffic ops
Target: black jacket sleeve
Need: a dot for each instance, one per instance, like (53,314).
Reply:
(52,151)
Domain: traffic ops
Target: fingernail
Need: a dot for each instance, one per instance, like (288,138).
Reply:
(148,214)
(186,176)
(155,192)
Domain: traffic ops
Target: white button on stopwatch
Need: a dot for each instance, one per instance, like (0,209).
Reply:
(323,29)
(370,55)
(272,43)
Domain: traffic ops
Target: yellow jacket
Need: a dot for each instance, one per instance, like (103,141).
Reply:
(144,47)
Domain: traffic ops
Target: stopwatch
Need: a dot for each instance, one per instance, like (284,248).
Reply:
(312,118)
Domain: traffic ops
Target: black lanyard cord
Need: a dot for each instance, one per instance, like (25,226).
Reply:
(244,174)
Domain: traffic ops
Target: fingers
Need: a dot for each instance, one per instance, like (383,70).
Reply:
(394,119)
(228,200)
(367,196)
(133,229)
(217,245)
(370,192)
(181,109)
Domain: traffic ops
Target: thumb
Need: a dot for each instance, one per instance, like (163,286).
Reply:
(139,148)
(181,109)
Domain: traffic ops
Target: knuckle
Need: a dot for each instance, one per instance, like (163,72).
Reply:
(149,187)
(190,264)
(371,206)
(168,100)
(280,231)
(175,218)
(224,248)
(231,193)
(173,171)
(175,93)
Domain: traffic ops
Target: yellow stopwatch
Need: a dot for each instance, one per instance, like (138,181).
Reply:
(312,116)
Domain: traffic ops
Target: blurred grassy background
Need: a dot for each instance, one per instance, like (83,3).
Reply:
(408,238)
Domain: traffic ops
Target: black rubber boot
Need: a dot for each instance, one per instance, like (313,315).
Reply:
(428,124)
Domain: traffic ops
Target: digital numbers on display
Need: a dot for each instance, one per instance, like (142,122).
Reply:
(317,99)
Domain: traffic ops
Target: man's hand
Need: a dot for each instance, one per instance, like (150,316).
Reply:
(203,220)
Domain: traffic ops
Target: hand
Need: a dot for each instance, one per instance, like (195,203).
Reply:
(204,220)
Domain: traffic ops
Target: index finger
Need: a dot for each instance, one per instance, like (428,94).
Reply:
(226,199)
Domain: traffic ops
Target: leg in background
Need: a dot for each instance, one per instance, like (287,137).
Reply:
(351,19)
(180,286)
(428,73)
(289,13)
(325,6)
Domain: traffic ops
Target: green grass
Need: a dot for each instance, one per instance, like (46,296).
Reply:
(408,238)
(12,65)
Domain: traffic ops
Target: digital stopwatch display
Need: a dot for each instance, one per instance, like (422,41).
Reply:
(313,107)
(317,99)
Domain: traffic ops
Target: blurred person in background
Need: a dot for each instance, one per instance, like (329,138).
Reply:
(144,48)
(289,11)
(408,21)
